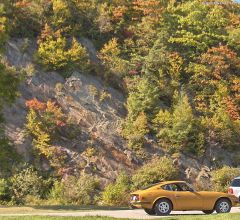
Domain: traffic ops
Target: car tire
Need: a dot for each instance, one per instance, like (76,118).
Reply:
(150,211)
(223,206)
(208,212)
(163,207)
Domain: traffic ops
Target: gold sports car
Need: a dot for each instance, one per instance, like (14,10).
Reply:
(162,198)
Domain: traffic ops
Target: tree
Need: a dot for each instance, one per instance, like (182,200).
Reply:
(25,16)
(179,130)
(134,131)
(3,27)
(9,82)
(143,97)
(8,91)
(111,59)
(44,120)
(198,26)
(54,54)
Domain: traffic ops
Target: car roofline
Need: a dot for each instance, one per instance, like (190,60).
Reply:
(171,182)
(237,177)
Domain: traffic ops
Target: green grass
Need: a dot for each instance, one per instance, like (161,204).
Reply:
(53,208)
(176,217)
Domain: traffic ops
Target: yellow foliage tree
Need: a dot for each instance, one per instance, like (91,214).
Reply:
(55,54)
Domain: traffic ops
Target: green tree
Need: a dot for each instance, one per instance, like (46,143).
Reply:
(134,131)
(143,97)
(179,130)
(8,91)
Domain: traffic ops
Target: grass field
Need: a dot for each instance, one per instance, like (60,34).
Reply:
(182,217)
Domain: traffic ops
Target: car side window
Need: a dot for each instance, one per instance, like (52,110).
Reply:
(235,183)
(170,187)
(184,187)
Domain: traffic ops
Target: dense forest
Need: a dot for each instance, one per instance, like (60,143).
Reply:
(176,61)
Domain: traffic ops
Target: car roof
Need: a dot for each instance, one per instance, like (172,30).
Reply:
(237,177)
(171,182)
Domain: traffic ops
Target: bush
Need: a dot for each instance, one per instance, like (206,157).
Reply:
(222,177)
(75,190)
(56,55)
(159,169)
(8,156)
(4,190)
(57,192)
(117,193)
(27,183)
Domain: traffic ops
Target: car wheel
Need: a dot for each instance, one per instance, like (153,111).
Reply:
(150,211)
(208,212)
(223,206)
(163,207)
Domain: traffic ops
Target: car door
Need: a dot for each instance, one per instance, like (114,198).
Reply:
(188,199)
(235,185)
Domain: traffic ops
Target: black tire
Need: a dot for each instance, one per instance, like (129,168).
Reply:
(208,212)
(163,207)
(223,206)
(150,211)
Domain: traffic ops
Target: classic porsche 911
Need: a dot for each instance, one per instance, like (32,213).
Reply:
(163,197)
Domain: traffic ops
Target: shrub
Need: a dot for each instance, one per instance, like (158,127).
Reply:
(4,190)
(56,55)
(157,170)
(75,190)
(93,91)
(117,193)
(27,183)
(222,177)
(57,192)
(8,156)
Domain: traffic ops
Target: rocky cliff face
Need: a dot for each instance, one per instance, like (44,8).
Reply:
(96,110)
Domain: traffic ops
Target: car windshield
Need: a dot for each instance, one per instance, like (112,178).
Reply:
(235,183)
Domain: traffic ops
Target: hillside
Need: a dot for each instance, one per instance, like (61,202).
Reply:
(138,91)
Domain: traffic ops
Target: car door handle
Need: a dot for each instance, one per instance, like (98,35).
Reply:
(177,196)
